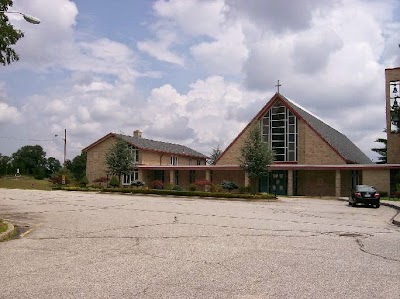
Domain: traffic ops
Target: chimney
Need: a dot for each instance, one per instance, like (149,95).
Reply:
(137,134)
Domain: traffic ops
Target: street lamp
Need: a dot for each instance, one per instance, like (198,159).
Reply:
(28,18)
(65,144)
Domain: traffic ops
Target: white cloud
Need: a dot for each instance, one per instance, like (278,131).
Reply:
(226,55)
(223,60)
(193,17)
(9,114)
(160,48)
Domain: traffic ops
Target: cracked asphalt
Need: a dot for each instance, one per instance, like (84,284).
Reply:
(89,245)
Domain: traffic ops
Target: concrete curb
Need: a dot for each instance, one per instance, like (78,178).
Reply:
(7,234)
(396,207)
(387,204)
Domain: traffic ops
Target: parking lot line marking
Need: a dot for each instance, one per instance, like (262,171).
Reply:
(30,230)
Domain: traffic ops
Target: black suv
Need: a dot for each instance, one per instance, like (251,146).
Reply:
(364,194)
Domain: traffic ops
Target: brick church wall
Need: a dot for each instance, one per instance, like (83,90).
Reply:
(312,149)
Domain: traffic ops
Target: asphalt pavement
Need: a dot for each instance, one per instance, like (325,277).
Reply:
(88,245)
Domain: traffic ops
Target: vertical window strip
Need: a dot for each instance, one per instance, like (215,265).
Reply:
(279,129)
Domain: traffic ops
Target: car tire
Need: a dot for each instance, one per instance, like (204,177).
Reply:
(349,203)
(377,206)
(354,203)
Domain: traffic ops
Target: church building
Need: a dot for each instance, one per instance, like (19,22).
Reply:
(311,157)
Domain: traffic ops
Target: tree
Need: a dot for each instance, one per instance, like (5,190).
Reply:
(114,182)
(5,165)
(30,160)
(52,166)
(119,158)
(8,35)
(216,153)
(77,166)
(256,155)
(382,151)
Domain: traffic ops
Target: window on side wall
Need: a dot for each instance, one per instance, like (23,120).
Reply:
(174,160)
(135,155)
(129,178)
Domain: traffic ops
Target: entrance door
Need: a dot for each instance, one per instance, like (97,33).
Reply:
(279,182)
(275,182)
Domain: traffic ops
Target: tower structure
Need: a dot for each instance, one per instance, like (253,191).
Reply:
(392,77)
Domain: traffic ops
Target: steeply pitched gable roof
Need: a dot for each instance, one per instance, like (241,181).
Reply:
(153,145)
(338,142)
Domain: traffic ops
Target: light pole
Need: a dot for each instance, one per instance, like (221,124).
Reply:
(28,18)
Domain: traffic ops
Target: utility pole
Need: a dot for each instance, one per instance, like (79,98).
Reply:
(65,145)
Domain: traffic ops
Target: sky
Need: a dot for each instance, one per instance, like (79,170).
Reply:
(193,72)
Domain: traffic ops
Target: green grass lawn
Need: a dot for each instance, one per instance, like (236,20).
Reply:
(3,226)
(24,182)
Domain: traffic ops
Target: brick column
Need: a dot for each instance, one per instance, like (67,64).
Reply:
(290,183)
(208,178)
(172,177)
(246,180)
(208,175)
(337,184)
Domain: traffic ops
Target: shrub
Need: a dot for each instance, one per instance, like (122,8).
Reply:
(229,185)
(95,186)
(157,184)
(39,173)
(216,188)
(192,187)
(137,183)
(244,189)
(84,181)
(177,188)
(168,186)
(57,177)
(114,182)
(191,193)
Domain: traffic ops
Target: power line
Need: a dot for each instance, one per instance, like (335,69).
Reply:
(23,139)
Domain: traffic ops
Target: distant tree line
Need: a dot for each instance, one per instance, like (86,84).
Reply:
(31,160)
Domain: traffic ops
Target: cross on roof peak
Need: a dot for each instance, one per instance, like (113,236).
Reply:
(278,85)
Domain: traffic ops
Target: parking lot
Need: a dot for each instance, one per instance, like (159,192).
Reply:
(90,245)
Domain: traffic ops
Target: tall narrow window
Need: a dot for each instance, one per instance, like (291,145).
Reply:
(174,160)
(135,155)
(279,129)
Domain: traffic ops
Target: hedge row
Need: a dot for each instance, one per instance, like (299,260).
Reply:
(191,193)
(176,193)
